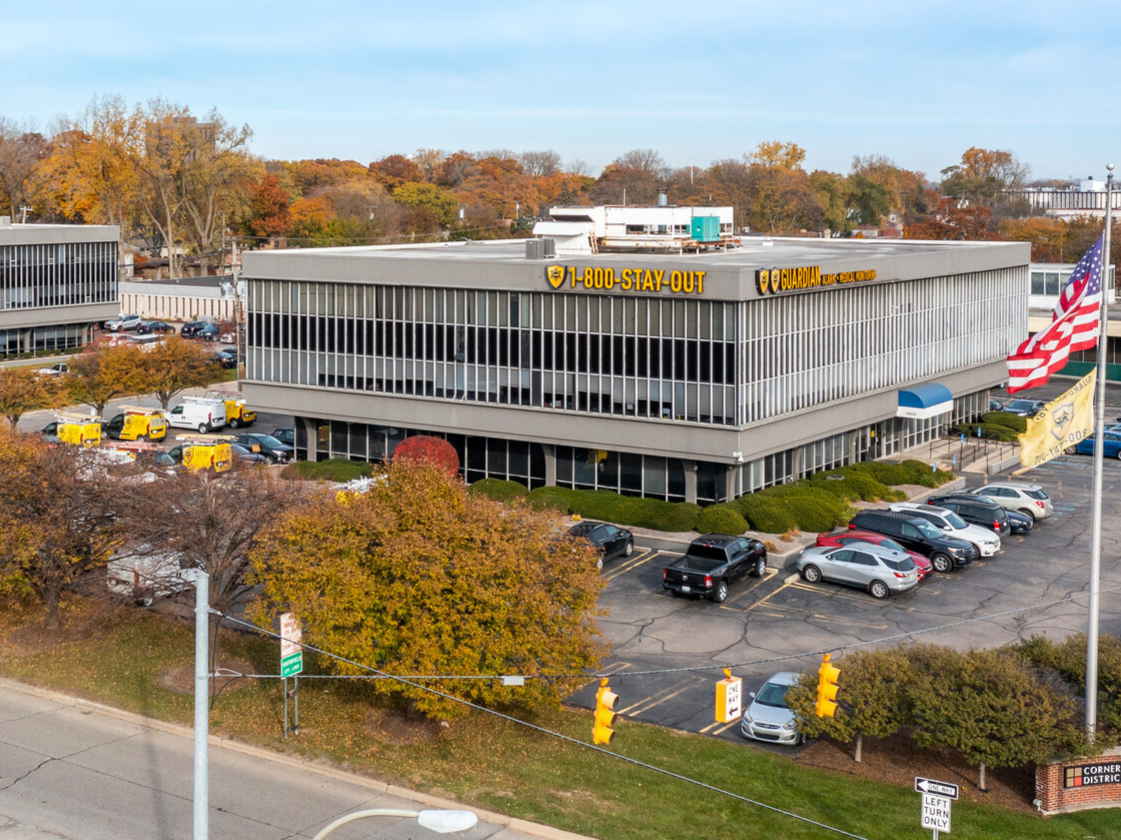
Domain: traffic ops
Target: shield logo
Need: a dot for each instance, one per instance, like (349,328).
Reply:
(1061,417)
(763,280)
(555,274)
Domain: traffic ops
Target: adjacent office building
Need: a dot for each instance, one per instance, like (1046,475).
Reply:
(56,283)
(647,351)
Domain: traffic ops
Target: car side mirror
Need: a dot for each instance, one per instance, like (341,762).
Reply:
(751,694)
(947,528)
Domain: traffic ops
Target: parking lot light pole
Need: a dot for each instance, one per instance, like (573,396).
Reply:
(202,707)
(439,821)
(1099,466)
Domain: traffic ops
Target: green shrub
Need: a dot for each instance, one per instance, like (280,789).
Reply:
(656,514)
(721,519)
(1003,418)
(550,498)
(766,513)
(499,490)
(854,484)
(992,431)
(333,469)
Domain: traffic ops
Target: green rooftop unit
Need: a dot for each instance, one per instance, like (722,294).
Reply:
(705,229)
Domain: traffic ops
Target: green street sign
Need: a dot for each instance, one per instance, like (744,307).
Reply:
(292,665)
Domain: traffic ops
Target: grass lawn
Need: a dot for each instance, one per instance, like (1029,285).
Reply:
(491,763)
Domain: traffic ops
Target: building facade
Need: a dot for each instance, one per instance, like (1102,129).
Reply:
(694,376)
(56,283)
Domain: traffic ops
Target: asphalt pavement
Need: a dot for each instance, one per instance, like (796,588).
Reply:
(71,770)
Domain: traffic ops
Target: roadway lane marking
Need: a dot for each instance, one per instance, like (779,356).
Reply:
(611,670)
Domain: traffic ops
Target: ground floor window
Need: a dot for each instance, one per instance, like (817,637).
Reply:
(623,472)
(44,339)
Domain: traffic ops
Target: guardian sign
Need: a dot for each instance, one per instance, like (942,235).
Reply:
(772,281)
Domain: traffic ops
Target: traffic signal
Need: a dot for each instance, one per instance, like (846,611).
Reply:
(827,688)
(602,733)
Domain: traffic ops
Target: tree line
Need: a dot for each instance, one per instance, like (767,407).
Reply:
(166,175)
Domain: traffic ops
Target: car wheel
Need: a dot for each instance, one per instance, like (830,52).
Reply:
(811,574)
(942,563)
(721,593)
(760,567)
(628,549)
(234,423)
(878,589)
(800,740)
(203,428)
(1070,450)
(1028,514)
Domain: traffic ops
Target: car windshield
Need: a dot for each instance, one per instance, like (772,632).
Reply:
(772,694)
(956,521)
(582,529)
(926,529)
(266,440)
(1035,494)
(907,565)
(1021,405)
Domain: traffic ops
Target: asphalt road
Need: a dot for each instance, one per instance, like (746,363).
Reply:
(68,773)
(783,624)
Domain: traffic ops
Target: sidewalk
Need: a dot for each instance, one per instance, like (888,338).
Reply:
(73,768)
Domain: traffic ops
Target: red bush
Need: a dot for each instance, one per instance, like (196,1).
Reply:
(426,449)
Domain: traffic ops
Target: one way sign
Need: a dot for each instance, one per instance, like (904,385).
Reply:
(938,788)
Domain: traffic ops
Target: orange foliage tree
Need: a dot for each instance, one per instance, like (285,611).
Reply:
(428,449)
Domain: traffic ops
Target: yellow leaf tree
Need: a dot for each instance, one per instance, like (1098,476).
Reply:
(417,577)
(175,365)
(22,389)
(104,372)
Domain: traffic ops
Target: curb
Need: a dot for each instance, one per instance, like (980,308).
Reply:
(546,832)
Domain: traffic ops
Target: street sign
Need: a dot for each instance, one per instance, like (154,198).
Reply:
(291,652)
(729,697)
(936,813)
(938,788)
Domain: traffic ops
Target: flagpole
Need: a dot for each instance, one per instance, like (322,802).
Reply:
(1099,463)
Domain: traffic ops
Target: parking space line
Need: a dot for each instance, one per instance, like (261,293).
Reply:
(632,563)
(690,683)
(770,573)
(726,727)
(758,603)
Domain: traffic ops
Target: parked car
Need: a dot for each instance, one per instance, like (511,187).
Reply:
(207,333)
(247,455)
(984,540)
(1021,523)
(1028,499)
(1111,442)
(285,434)
(609,540)
(976,510)
(275,451)
(711,563)
(154,327)
(54,370)
(877,570)
(995,405)
(122,323)
(192,328)
(227,358)
(843,538)
(199,413)
(945,552)
(1024,408)
(767,717)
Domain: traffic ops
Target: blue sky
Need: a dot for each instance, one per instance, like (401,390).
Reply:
(917,81)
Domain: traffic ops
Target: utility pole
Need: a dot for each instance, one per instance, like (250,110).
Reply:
(202,707)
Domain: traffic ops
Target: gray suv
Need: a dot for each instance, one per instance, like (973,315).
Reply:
(877,570)
(1028,499)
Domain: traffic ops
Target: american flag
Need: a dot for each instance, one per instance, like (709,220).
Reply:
(1075,325)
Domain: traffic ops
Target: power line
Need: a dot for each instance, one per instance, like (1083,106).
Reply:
(561,736)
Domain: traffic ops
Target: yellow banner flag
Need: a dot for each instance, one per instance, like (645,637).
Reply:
(1062,423)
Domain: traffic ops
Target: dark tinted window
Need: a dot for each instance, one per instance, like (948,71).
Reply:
(907,565)
(708,552)
(1035,494)
(844,555)
(862,559)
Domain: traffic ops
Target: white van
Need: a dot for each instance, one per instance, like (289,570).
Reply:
(145,577)
(202,413)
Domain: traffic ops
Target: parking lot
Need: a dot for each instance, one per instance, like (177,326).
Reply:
(780,622)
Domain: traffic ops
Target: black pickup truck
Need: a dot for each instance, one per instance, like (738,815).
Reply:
(712,563)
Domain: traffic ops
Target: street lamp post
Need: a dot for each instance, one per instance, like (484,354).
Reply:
(442,822)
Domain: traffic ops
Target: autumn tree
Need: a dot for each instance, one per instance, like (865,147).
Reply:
(428,449)
(268,208)
(781,198)
(104,372)
(57,518)
(418,577)
(954,221)
(540,164)
(393,171)
(834,197)
(440,202)
(984,176)
(21,150)
(22,389)
(173,366)
(635,176)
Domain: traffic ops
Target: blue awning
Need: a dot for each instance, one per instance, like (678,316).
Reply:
(924,401)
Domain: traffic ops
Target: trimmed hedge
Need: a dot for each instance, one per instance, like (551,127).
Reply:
(333,469)
(656,514)
(499,490)
(855,484)
(1003,418)
(721,519)
(800,506)
(991,431)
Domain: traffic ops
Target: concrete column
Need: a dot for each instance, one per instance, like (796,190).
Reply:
(796,462)
(28,344)
(311,428)
(690,480)
(730,481)
(550,464)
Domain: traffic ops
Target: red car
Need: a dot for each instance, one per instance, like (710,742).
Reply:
(856,535)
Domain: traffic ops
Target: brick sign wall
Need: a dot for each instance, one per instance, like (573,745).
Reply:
(1078,785)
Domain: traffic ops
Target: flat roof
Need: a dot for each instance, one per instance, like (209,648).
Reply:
(727,275)
(37,234)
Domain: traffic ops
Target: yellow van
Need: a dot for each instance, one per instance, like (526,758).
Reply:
(236,412)
(137,423)
(204,453)
(76,429)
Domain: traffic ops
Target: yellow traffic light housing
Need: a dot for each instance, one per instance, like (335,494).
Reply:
(827,688)
(602,733)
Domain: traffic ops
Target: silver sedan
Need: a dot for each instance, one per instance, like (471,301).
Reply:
(877,570)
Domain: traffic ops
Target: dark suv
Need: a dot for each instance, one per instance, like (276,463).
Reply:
(975,510)
(191,329)
(916,534)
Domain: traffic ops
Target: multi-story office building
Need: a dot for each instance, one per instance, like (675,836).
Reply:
(706,370)
(56,283)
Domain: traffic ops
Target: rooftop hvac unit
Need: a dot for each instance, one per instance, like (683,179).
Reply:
(535,249)
(550,247)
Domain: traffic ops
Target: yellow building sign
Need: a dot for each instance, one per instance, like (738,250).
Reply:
(605,279)
(776,280)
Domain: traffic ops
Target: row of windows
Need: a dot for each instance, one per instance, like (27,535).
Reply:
(44,339)
(36,276)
